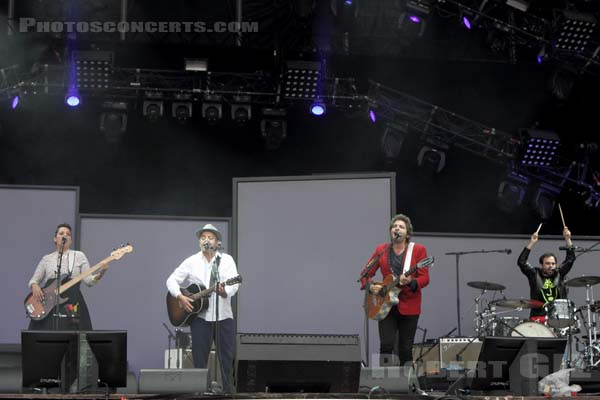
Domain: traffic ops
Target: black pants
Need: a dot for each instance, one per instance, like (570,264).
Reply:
(202,338)
(401,328)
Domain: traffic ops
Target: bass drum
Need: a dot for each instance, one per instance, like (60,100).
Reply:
(532,329)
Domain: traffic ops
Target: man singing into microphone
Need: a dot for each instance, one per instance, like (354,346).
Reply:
(209,267)
(396,258)
(546,282)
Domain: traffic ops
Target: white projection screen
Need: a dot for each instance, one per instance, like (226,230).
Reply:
(131,296)
(28,216)
(301,243)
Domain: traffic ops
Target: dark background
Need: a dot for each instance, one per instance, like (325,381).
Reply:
(166,168)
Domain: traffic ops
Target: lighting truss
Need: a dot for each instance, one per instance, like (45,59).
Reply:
(437,125)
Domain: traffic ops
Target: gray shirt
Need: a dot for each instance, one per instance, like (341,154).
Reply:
(73,262)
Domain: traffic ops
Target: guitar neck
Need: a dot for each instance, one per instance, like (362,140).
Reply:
(84,275)
(203,293)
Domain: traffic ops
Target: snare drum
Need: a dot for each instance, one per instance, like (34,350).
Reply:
(561,313)
(532,329)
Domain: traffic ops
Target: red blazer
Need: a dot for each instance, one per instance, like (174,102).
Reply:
(410,302)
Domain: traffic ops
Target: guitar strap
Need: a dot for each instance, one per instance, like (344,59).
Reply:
(408,256)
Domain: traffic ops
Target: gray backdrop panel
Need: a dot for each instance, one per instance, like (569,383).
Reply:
(131,296)
(301,244)
(28,216)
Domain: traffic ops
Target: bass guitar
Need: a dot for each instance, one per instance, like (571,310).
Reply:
(198,294)
(38,310)
(379,305)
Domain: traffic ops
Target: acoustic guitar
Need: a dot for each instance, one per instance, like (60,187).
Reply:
(199,295)
(38,310)
(379,305)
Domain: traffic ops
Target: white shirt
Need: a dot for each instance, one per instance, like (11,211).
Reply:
(197,269)
(73,262)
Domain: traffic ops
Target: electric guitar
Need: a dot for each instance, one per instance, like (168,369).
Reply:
(379,305)
(38,310)
(199,295)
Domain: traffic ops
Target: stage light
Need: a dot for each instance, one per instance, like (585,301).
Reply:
(466,22)
(574,30)
(113,121)
(212,109)
(372,116)
(541,55)
(181,111)
(348,2)
(415,19)
(72,100)
(93,69)
(153,106)
(300,79)
(273,127)
(544,201)
(511,192)
(241,109)
(432,155)
(15,102)
(540,148)
(317,109)
(391,142)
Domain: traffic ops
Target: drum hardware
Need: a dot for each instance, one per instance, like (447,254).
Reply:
(484,318)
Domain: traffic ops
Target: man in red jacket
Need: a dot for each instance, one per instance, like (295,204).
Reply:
(397,257)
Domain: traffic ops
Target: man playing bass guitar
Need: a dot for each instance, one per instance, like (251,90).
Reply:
(398,257)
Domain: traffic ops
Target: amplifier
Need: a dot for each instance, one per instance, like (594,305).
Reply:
(459,353)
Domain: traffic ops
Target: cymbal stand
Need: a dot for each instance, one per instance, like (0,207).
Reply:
(592,332)
(478,316)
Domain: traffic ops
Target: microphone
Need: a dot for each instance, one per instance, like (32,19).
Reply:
(64,240)
(397,235)
(508,251)
(569,247)
(206,246)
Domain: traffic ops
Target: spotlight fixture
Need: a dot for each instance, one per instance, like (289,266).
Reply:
(273,127)
(540,148)
(511,192)
(416,12)
(212,109)
(317,108)
(544,201)
(241,109)
(181,108)
(391,142)
(15,102)
(72,100)
(196,64)
(432,155)
(466,22)
(113,120)
(372,107)
(153,106)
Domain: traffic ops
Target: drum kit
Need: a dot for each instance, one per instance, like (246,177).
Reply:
(562,319)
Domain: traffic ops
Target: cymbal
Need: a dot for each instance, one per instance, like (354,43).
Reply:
(486,285)
(583,281)
(518,303)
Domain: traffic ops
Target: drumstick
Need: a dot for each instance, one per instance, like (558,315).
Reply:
(562,217)
(538,229)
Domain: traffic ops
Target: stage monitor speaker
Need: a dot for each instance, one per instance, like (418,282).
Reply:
(389,379)
(165,381)
(298,363)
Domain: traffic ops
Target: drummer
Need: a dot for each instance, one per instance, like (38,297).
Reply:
(546,282)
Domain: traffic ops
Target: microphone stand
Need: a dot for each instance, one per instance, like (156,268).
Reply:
(365,275)
(57,314)
(170,337)
(458,254)
(215,388)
